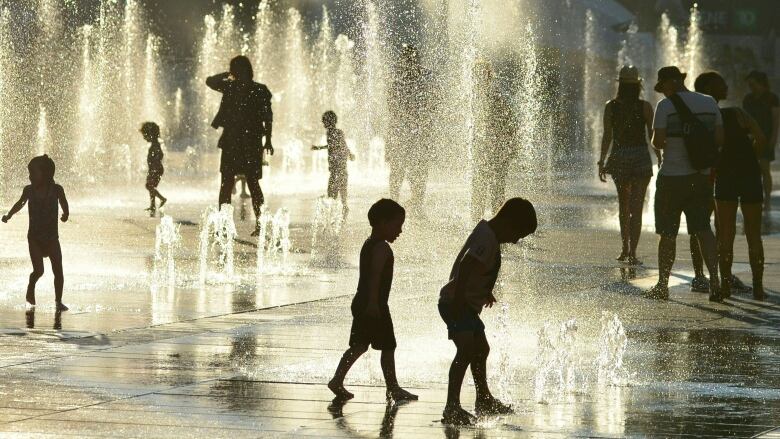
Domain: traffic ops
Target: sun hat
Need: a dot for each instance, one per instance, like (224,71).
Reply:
(629,75)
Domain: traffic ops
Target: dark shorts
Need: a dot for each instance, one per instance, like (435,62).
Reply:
(742,188)
(630,162)
(675,195)
(376,332)
(467,321)
(153,180)
(44,247)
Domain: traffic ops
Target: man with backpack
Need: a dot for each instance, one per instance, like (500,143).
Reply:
(688,129)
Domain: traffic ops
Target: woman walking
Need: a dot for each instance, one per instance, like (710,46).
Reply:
(628,123)
(737,183)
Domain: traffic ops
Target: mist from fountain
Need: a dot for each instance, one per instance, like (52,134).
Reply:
(668,43)
(326,233)
(273,242)
(591,99)
(218,230)
(693,54)
(167,238)
(42,138)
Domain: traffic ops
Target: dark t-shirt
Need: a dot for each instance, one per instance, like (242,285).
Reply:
(737,159)
(338,152)
(43,211)
(154,159)
(760,107)
(360,302)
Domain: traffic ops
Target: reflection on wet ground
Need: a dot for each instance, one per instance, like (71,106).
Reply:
(250,357)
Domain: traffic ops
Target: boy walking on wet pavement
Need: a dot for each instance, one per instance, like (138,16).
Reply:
(338,153)
(43,196)
(154,158)
(371,321)
(469,289)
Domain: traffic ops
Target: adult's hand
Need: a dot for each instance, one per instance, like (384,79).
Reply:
(602,173)
(269,146)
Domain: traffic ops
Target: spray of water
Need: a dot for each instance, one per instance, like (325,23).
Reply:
(218,230)
(612,347)
(167,239)
(326,236)
(273,242)
(556,371)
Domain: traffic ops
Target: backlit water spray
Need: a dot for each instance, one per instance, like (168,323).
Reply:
(218,230)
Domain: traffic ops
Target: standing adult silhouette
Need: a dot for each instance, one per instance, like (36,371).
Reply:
(246,118)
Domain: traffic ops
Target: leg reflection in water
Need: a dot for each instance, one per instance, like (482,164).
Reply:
(336,409)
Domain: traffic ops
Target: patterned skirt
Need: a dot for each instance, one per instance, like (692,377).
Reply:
(630,162)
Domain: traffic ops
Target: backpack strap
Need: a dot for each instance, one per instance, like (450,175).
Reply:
(685,113)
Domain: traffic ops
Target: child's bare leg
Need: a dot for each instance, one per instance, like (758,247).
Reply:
(394,391)
(55,257)
(336,385)
(36,257)
(453,412)
(152,204)
(343,191)
(157,194)
(486,403)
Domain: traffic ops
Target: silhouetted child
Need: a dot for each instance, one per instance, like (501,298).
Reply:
(338,154)
(470,288)
(154,161)
(371,321)
(43,195)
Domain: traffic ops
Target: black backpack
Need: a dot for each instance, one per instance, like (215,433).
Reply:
(699,141)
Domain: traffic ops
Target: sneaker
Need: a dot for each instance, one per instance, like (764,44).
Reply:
(739,287)
(457,416)
(492,407)
(657,293)
(700,284)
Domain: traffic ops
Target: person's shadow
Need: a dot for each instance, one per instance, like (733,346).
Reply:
(336,409)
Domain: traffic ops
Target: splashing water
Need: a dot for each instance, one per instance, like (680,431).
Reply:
(216,236)
(167,239)
(612,347)
(693,57)
(273,249)
(556,371)
(42,140)
(326,236)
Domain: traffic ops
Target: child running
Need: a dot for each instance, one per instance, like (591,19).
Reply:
(43,194)
(470,288)
(372,324)
(338,153)
(154,161)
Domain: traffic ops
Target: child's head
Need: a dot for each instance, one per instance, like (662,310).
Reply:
(150,131)
(41,170)
(329,119)
(387,219)
(516,219)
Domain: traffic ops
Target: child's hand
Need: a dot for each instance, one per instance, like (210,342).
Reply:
(6,218)
(64,218)
(490,301)
(314,147)
(351,157)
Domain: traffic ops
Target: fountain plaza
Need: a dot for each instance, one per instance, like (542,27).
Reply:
(184,325)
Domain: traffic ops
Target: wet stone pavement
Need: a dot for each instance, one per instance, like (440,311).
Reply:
(575,348)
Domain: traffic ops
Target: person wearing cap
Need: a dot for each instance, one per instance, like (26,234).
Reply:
(627,126)
(680,188)
(764,107)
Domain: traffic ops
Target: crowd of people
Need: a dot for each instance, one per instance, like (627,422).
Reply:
(710,159)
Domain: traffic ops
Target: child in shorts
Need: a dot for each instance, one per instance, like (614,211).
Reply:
(43,195)
(371,323)
(338,153)
(154,158)
(469,289)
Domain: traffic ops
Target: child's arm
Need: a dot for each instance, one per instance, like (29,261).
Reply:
(318,147)
(17,207)
(64,205)
(378,259)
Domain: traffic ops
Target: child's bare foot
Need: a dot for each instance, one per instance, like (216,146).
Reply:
(398,394)
(61,307)
(455,415)
(30,300)
(339,390)
(492,406)
(163,201)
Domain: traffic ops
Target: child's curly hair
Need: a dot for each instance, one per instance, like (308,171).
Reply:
(150,129)
(45,165)
(330,118)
